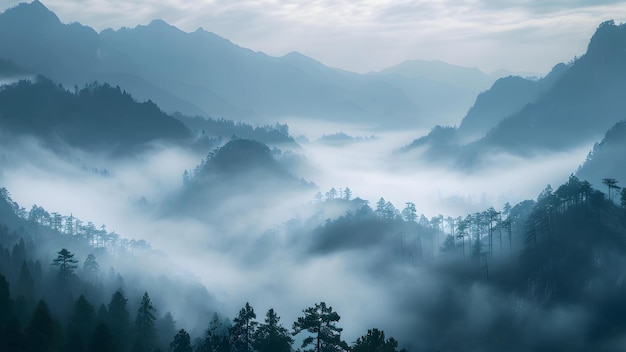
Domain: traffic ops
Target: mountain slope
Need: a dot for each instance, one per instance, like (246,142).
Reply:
(507,96)
(607,159)
(98,117)
(258,84)
(470,78)
(441,91)
(197,73)
(585,102)
(35,39)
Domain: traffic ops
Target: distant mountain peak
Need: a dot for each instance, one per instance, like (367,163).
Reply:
(608,43)
(31,13)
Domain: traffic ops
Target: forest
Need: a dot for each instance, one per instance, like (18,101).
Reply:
(169,190)
(563,249)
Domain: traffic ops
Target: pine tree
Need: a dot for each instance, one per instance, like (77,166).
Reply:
(182,342)
(243,329)
(66,263)
(42,332)
(81,324)
(118,320)
(320,321)
(375,341)
(145,333)
(272,337)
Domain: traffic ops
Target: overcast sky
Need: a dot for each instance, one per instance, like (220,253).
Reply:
(519,35)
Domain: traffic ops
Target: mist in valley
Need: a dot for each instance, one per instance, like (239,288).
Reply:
(243,246)
(221,177)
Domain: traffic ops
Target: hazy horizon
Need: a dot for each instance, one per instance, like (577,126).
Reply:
(370,36)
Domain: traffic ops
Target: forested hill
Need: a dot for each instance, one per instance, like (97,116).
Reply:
(243,170)
(607,159)
(97,117)
(58,294)
(277,135)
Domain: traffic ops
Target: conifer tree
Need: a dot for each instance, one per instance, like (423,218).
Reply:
(243,329)
(145,333)
(272,337)
(320,321)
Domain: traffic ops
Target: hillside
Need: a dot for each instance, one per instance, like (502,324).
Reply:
(97,117)
(579,107)
(200,73)
(607,159)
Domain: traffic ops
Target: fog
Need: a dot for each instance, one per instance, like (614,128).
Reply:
(243,252)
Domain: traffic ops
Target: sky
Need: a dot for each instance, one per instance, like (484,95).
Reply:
(518,35)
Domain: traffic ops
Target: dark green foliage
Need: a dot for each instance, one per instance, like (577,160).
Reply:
(145,332)
(66,265)
(320,321)
(271,336)
(81,325)
(91,266)
(98,117)
(102,340)
(243,330)
(278,134)
(7,315)
(119,321)
(375,341)
(43,333)
(182,342)
(25,284)
(166,329)
(216,337)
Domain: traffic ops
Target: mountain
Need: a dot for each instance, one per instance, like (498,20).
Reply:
(98,117)
(234,180)
(73,54)
(198,73)
(572,106)
(220,75)
(440,90)
(438,71)
(277,135)
(579,107)
(607,159)
(507,96)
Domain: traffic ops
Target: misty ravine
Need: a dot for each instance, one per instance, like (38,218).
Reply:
(163,190)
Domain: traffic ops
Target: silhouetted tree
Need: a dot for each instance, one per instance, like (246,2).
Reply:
(272,337)
(145,334)
(91,266)
(42,333)
(81,324)
(409,213)
(243,329)
(347,193)
(182,342)
(166,329)
(216,337)
(320,321)
(375,341)
(611,184)
(7,314)
(66,263)
(118,320)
